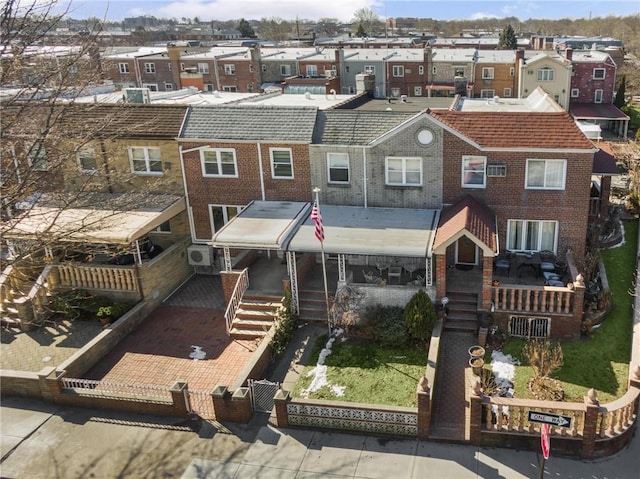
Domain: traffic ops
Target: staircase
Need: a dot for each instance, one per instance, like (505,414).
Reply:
(313,306)
(463,312)
(255,316)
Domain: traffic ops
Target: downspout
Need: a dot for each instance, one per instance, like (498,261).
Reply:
(259,146)
(215,68)
(136,66)
(364,167)
(105,162)
(186,196)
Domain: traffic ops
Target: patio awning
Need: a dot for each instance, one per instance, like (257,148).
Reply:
(370,231)
(262,225)
(596,111)
(100,218)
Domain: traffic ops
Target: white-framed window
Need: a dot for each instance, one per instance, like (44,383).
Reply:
(87,160)
(556,98)
(403,171)
(312,70)
(434,70)
(487,73)
(458,71)
(281,163)
(229,69)
(123,67)
(37,156)
(532,235)
(250,88)
(417,91)
(145,160)
(285,70)
(497,170)
(546,174)
(575,92)
(487,93)
(398,70)
(150,86)
(545,74)
(512,71)
(338,167)
(182,67)
(168,86)
(420,69)
(598,96)
(222,214)
(169,66)
(474,171)
(506,92)
(164,228)
(149,67)
(370,69)
(208,86)
(203,68)
(599,73)
(219,162)
(230,88)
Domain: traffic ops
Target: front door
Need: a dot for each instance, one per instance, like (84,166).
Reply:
(466,251)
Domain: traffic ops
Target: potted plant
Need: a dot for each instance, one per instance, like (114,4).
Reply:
(105,314)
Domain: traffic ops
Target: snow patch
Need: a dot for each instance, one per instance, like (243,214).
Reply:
(197,353)
(319,373)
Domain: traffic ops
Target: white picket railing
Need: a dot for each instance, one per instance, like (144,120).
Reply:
(241,286)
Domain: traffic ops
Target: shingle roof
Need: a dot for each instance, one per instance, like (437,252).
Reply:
(355,127)
(548,130)
(258,123)
(467,214)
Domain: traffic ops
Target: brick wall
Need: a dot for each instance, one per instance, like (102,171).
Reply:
(583,80)
(502,79)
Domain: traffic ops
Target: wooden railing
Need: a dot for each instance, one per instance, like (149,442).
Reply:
(241,286)
(117,278)
(533,299)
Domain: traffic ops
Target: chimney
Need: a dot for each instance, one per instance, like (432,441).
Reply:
(568,53)
(174,59)
(519,54)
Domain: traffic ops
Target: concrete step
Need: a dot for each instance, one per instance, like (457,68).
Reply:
(259,305)
(257,314)
(252,324)
(265,298)
(461,325)
(457,314)
(247,334)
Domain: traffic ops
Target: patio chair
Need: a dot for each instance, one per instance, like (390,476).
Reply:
(547,261)
(503,262)
(419,281)
(371,278)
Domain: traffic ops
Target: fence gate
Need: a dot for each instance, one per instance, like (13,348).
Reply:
(262,394)
(200,403)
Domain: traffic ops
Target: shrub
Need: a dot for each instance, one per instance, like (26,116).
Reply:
(382,324)
(542,357)
(420,316)
(286,325)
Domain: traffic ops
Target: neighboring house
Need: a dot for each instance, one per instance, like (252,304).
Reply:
(451,71)
(122,65)
(549,70)
(495,74)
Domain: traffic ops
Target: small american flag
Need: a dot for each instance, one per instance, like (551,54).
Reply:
(317,219)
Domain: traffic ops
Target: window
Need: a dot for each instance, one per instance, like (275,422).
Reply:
(512,71)
(338,167)
(250,67)
(37,156)
(473,171)
(506,92)
(219,162)
(531,235)
(487,73)
(149,67)
(556,98)
(169,66)
(403,171)
(222,214)
(420,69)
(545,74)
(546,174)
(599,95)
(575,93)
(145,160)
(487,93)
(124,67)
(417,91)
(250,88)
(395,92)
(281,162)
(434,70)
(497,170)
(264,67)
(164,228)
(87,160)
(230,88)
(150,86)
(398,70)
(285,70)
(599,73)
(229,69)
(312,70)
(168,86)
(370,69)
(182,67)
(208,86)
(458,71)
(203,68)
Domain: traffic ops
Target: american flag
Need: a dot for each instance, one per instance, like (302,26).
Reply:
(317,219)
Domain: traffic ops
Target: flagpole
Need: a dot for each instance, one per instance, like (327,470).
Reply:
(317,190)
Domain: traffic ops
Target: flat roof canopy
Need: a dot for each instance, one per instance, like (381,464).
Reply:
(370,231)
(103,218)
(262,224)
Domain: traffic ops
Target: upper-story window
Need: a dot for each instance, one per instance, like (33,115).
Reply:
(458,71)
(229,69)
(312,70)
(420,69)
(417,91)
(512,71)
(168,86)
(219,162)
(403,171)
(203,68)
(398,70)
(575,93)
(506,92)
(37,156)
(599,73)
(487,93)
(474,171)
(87,160)
(487,73)
(149,67)
(264,67)
(285,70)
(281,163)
(145,160)
(434,70)
(338,167)
(370,69)
(546,174)
(545,74)
(123,67)
(598,96)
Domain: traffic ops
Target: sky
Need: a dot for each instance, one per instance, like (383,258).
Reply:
(343,10)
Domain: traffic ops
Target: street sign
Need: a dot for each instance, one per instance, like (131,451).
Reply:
(548,418)
(545,441)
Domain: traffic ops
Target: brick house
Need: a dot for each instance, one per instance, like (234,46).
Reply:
(549,70)
(451,71)
(495,74)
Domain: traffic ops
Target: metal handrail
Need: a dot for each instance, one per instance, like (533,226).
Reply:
(234,302)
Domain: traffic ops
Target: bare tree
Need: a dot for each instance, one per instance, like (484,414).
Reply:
(369,20)
(275,29)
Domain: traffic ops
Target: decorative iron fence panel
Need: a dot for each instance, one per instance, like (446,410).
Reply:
(262,394)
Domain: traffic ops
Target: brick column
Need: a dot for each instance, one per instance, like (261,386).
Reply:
(229,280)
(281,399)
(441,276)
(487,276)
(230,407)
(475,410)
(589,431)
(424,408)
(50,384)
(179,397)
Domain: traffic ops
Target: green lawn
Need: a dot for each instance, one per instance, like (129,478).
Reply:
(370,373)
(602,361)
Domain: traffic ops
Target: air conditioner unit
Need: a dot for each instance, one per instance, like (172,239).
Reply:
(200,255)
